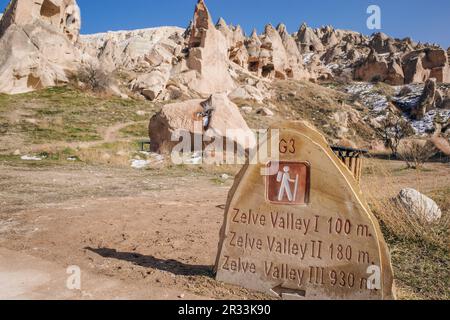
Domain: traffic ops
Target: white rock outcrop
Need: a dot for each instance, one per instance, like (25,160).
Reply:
(136,50)
(37,44)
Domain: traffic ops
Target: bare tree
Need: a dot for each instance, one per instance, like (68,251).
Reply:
(392,131)
(95,78)
(417,153)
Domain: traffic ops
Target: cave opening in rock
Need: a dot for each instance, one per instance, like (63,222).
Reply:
(289,73)
(253,66)
(34,82)
(49,9)
(267,70)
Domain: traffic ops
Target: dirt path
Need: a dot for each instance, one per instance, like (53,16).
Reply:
(109,135)
(137,229)
(23,276)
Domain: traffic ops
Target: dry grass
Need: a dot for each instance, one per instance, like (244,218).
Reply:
(385,89)
(301,100)
(395,217)
(420,250)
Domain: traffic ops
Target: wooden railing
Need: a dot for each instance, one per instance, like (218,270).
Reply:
(352,158)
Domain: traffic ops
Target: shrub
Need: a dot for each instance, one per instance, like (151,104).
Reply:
(392,131)
(417,153)
(95,78)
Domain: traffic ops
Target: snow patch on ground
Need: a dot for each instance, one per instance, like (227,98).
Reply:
(307,57)
(195,159)
(333,66)
(378,104)
(139,164)
(31,158)
(426,125)
(375,101)
(151,159)
(409,101)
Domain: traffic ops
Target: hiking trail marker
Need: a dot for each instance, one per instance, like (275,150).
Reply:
(298,227)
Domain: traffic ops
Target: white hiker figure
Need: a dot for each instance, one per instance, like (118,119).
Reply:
(285,189)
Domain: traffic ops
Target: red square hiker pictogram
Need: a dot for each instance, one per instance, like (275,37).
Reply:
(288,183)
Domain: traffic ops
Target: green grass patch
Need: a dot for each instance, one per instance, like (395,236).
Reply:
(67,114)
(138,130)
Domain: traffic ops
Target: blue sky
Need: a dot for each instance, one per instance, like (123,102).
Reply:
(423,20)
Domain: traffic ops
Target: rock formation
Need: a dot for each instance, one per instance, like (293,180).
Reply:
(168,62)
(148,55)
(426,101)
(37,44)
(377,68)
(207,58)
(374,68)
(236,42)
(397,68)
(201,119)
(308,41)
(137,50)
(382,43)
(295,68)
(273,48)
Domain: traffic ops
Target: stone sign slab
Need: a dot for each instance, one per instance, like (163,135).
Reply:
(302,230)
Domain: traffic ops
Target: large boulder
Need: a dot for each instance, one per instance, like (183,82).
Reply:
(441,144)
(248,92)
(202,119)
(419,205)
(37,44)
(153,84)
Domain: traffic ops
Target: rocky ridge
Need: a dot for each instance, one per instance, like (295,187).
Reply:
(203,59)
